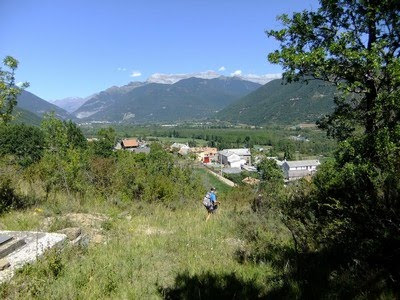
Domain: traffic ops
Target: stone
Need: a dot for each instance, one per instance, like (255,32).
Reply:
(86,220)
(98,239)
(4,264)
(71,232)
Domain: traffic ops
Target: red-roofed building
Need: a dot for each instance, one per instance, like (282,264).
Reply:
(129,144)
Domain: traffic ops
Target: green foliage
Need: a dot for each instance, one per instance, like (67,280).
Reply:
(270,171)
(188,99)
(8,197)
(279,103)
(61,135)
(354,45)
(288,155)
(9,91)
(224,137)
(24,142)
(106,141)
(26,117)
(346,220)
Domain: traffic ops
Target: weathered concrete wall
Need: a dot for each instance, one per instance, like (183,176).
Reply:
(221,178)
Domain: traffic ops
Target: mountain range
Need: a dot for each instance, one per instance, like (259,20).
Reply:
(186,99)
(34,104)
(70,104)
(279,103)
(222,98)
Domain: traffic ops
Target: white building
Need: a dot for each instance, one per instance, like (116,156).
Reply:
(231,159)
(243,153)
(297,169)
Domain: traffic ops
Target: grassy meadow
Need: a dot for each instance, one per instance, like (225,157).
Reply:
(148,251)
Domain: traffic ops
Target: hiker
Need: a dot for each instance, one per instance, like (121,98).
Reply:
(210,202)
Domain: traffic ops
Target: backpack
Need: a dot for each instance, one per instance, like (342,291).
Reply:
(206,200)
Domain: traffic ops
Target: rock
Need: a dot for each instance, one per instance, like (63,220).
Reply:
(4,264)
(82,240)
(72,232)
(98,239)
(86,220)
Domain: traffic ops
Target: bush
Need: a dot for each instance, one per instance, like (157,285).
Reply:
(8,198)
(25,143)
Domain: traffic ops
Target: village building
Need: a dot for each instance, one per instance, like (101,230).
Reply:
(205,154)
(297,169)
(243,153)
(181,149)
(184,150)
(233,160)
(141,149)
(129,144)
(177,146)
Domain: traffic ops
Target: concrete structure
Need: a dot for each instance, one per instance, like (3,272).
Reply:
(249,168)
(24,247)
(231,170)
(221,178)
(297,169)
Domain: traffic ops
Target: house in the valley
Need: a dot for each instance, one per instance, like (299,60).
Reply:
(297,169)
(243,153)
(142,149)
(205,154)
(182,149)
(129,144)
(177,146)
(233,160)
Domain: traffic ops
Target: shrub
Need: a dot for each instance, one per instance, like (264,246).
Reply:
(8,198)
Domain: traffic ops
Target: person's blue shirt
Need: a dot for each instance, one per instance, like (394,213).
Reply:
(213,197)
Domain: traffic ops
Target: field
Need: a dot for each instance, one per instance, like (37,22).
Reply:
(147,251)
(278,139)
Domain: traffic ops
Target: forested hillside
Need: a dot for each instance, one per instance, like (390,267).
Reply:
(39,107)
(186,99)
(280,103)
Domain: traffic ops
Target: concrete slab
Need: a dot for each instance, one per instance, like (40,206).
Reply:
(36,243)
(11,246)
(4,238)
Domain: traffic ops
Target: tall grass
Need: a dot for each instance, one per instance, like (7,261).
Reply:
(142,256)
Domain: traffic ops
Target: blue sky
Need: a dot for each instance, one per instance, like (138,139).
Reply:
(80,47)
